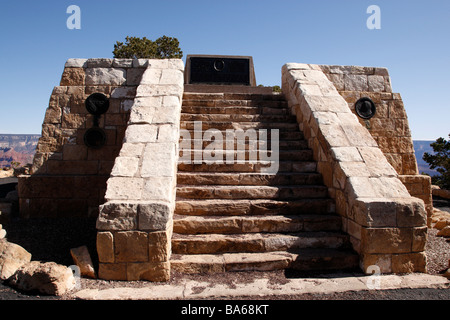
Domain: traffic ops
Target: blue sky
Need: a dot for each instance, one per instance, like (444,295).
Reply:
(413,43)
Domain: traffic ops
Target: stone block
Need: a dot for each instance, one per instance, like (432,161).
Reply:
(117,216)
(105,76)
(159,246)
(131,246)
(154,216)
(376,83)
(409,263)
(150,271)
(141,133)
(99,63)
(382,261)
(134,76)
(82,259)
(125,167)
(386,240)
(73,77)
(159,188)
(122,63)
(375,212)
(105,247)
(159,160)
(346,154)
(411,213)
(112,271)
(12,257)
(356,82)
(76,63)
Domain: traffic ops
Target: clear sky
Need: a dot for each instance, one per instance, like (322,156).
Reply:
(413,43)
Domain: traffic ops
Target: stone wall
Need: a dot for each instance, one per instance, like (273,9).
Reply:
(135,223)
(389,126)
(386,225)
(67,177)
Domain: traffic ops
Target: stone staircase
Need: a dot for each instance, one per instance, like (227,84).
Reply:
(234,217)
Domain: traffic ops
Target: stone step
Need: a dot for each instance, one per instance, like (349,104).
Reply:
(282,134)
(243,156)
(238,118)
(255,242)
(248,179)
(253,207)
(224,125)
(251,192)
(232,96)
(303,260)
(282,144)
(283,166)
(225,103)
(255,224)
(234,110)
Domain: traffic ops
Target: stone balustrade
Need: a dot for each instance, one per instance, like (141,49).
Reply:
(388,226)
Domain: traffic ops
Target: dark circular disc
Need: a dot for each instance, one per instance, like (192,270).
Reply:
(219,65)
(365,108)
(97,104)
(95,138)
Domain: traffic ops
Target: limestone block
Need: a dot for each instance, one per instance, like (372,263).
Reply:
(123,92)
(117,216)
(376,83)
(159,160)
(158,188)
(99,63)
(175,64)
(82,259)
(420,236)
(409,263)
(411,213)
(141,133)
(346,154)
(356,82)
(122,63)
(125,167)
(375,212)
(12,257)
(159,246)
(105,246)
(76,63)
(150,271)
(72,77)
(112,271)
(47,278)
(172,76)
(131,149)
(134,76)
(151,76)
(386,240)
(154,216)
(376,162)
(131,246)
(157,90)
(105,76)
(382,261)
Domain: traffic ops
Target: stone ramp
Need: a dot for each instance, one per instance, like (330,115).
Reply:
(235,217)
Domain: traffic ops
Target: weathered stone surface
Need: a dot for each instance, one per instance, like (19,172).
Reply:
(150,271)
(47,278)
(444,232)
(131,246)
(154,216)
(105,246)
(76,63)
(386,240)
(82,259)
(105,76)
(12,257)
(117,216)
(73,77)
(125,167)
(159,246)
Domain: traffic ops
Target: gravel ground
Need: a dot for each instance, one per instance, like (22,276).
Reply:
(37,236)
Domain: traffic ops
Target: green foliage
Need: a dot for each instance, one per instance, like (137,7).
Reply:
(143,48)
(440,161)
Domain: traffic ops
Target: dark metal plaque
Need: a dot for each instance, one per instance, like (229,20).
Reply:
(95,138)
(219,70)
(365,108)
(97,104)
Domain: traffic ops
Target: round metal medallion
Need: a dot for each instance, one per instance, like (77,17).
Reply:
(219,65)
(365,108)
(97,104)
(95,138)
